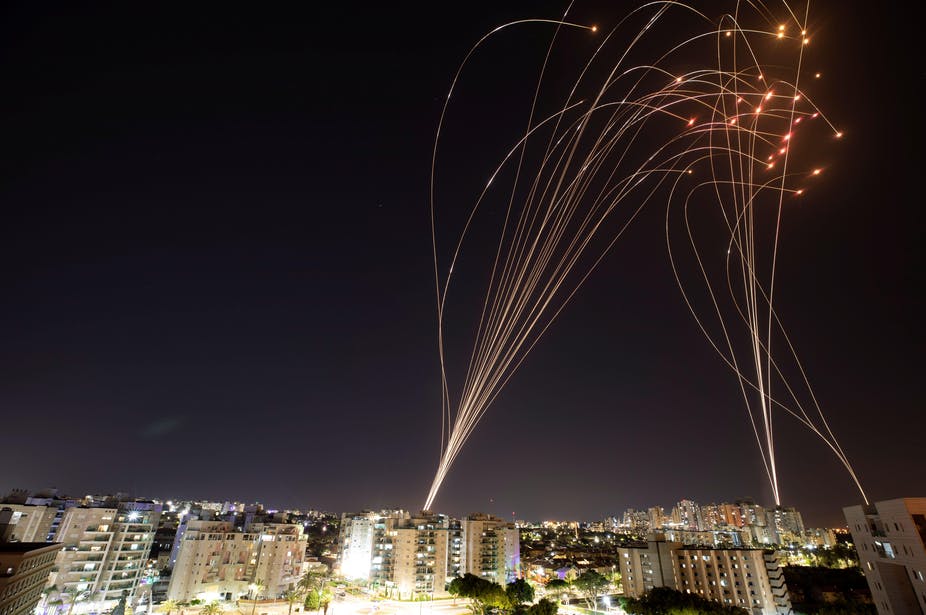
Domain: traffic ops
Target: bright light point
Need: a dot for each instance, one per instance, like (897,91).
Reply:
(770,156)
(781,35)
(798,120)
(678,80)
(691,122)
(838,135)
(758,109)
(733,121)
(594,28)
(814,115)
(739,100)
(771,164)
(806,40)
(787,137)
(781,28)
(803,32)
(761,77)
(816,171)
(817,76)
(690,171)
(798,97)
(799,192)
(782,150)
(767,96)
(729,33)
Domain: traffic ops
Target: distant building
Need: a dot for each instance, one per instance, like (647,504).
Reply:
(889,537)
(746,578)
(28,523)
(24,571)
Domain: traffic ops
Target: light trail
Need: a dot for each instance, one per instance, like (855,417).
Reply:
(719,135)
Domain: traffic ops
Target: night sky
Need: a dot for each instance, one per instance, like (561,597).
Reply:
(216,275)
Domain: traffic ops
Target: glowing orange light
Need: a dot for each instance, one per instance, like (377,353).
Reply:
(799,192)
(767,96)
(678,80)
(781,27)
(770,156)
(771,164)
(733,121)
(817,76)
(691,122)
(594,28)
(806,40)
(787,137)
(798,97)
(690,171)
(758,109)
(729,33)
(816,171)
(838,135)
(739,100)
(782,150)
(761,77)
(798,120)
(781,35)
(814,115)
(803,32)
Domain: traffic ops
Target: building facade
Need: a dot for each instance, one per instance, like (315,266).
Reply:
(215,561)
(24,571)
(745,578)
(889,537)
(105,550)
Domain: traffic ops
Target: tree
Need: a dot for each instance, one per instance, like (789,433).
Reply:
(212,608)
(169,606)
(292,597)
(312,580)
(543,607)
(483,594)
(665,601)
(519,591)
(312,600)
(557,588)
(591,584)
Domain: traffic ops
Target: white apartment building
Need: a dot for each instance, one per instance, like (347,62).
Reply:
(890,537)
(105,550)
(416,556)
(745,578)
(216,562)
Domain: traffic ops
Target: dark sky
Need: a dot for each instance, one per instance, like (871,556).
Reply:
(216,273)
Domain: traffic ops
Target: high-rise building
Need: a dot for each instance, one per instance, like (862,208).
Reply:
(105,550)
(217,562)
(746,578)
(688,515)
(889,537)
(785,524)
(415,556)
(491,548)
(657,518)
(24,571)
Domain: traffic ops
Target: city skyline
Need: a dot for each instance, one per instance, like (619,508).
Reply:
(217,270)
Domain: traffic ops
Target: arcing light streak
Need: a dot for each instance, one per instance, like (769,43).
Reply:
(583,173)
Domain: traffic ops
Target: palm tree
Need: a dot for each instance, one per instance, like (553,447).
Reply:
(256,586)
(292,597)
(212,608)
(169,606)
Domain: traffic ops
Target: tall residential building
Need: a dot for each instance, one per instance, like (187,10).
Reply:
(491,548)
(657,518)
(409,556)
(785,524)
(105,550)
(24,571)
(215,561)
(890,537)
(688,515)
(746,578)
